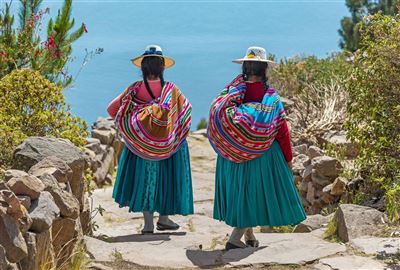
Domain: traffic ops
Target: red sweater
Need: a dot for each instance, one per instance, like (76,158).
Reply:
(255,92)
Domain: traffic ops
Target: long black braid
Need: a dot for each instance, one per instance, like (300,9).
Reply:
(152,66)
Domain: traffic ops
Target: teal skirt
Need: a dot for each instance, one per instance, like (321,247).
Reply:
(163,186)
(260,192)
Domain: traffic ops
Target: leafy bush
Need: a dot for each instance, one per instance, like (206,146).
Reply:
(31,105)
(374,108)
(23,47)
(316,87)
(202,124)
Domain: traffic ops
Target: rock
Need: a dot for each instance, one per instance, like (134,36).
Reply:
(338,138)
(300,149)
(104,124)
(12,240)
(28,185)
(327,189)
(299,163)
(287,103)
(355,184)
(304,186)
(34,149)
(8,174)
(202,132)
(43,211)
(314,151)
(355,221)
(3,260)
(306,174)
(326,166)
(349,262)
(54,166)
(86,216)
(100,174)
(93,144)
(378,203)
(339,186)
(313,222)
(31,261)
(65,201)
(321,180)
(376,245)
(297,179)
(310,192)
(25,201)
(105,136)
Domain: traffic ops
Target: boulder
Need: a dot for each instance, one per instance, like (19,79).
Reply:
(43,211)
(326,166)
(105,136)
(339,186)
(355,221)
(93,144)
(54,166)
(339,139)
(313,222)
(288,104)
(28,185)
(25,201)
(314,151)
(31,261)
(306,174)
(320,180)
(65,201)
(104,123)
(86,216)
(310,193)
(3,259)
(300,149)
(12,240)
(100,174)
(34,149)
(299,163)
(8,174)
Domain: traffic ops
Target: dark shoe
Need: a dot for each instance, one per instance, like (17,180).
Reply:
(146,232)
(229,246)
(252,243)
(165,227)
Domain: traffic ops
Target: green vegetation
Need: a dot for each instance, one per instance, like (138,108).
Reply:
(22,47)
(34,106)
(374,108)
(202,124)
(350,31)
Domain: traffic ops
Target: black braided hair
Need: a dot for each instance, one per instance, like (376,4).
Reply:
(152,66)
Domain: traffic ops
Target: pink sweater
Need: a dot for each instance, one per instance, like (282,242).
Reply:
(142,93)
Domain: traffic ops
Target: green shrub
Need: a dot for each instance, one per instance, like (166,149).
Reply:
(374,107)
(202,124)
(31,105)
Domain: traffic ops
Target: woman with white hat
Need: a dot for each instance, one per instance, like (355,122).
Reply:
(154,118)
(248,129)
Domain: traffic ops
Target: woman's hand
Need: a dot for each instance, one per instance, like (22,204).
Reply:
(290,164)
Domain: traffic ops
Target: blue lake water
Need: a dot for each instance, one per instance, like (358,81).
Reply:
(202,36)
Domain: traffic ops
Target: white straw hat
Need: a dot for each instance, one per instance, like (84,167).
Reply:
(257,54)
(153,50)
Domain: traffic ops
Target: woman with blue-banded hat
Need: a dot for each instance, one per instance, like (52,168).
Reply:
(248,130)
(153,117)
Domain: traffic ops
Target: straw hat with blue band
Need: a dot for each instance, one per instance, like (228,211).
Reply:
(153,50)
(258,54)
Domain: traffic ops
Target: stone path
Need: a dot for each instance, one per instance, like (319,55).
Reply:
(200,240)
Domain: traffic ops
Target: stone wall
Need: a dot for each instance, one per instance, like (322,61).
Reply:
(102,150)
(44,210)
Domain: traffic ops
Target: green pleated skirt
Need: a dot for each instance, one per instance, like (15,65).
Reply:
(163,186)
(260,192)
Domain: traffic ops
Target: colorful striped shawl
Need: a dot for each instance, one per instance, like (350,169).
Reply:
(243,131)
(154,130)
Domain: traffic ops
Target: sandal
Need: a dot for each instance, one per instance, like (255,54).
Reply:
(252,243)
(165,227)
(229,246)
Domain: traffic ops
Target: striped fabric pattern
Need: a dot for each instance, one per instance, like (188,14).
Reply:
(240,131)
(154,130)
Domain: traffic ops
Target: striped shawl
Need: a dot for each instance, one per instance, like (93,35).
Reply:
(243,131)
(154,130)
